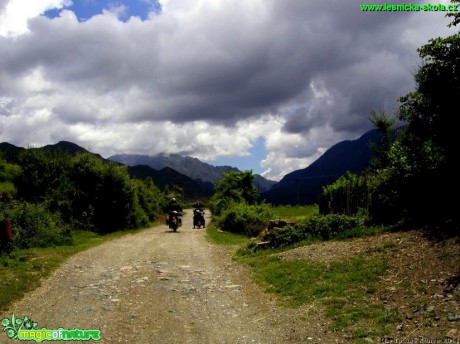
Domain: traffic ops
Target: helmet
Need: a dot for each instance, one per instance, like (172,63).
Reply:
(173,199)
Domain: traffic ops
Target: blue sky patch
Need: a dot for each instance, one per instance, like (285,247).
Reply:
(85,9)
(250,162)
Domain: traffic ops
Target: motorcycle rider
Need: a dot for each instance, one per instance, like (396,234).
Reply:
(174,206)
(198,214)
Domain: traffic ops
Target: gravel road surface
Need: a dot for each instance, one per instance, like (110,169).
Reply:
(158,286)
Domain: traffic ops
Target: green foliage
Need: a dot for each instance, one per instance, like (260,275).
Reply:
(104,194)
(33,226)
(50,191)
(413,174)
(350,194)
(384,124)
(410,175)
(8,173)
(234,187)
(86,192)
(322,227)
(41,171)
(424,166)
(286,236)
(455,15)
(7,191)
(234,205)
(244,219)
(147,202)
(330,225)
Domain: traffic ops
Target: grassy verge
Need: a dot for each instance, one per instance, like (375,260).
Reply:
(295,213)
(215,236)
(22,270)
(342,288)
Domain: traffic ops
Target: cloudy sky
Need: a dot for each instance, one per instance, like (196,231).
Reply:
(266,85)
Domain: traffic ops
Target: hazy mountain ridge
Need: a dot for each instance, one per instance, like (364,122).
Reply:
(166,177)
(303,186)
(191,167)
(197,178)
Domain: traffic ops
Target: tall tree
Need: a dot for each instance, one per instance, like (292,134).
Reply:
(384,124)
(430,138)
(234,187)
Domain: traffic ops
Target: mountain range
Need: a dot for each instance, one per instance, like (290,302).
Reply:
(165,177)
(191,167)
(197,178)
(304,186)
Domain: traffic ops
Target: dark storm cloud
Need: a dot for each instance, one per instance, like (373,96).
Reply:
(223,66)
(361,62)
(316,67)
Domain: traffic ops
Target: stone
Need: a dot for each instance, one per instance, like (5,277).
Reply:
(453,317)
(452,333)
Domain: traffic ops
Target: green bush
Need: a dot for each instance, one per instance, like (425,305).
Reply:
(244,219)
(318,226)
(147,200)
(33,226)
(285,236)
(234,187)
(330,225)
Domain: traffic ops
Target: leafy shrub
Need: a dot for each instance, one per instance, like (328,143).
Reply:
(245,219)
(319,226)
(147,199)
(33,226)
(234,187)
(285,236)
(330,225)
(7,174)
(7,191)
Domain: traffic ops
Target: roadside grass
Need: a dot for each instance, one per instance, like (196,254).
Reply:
(295,213)
(360,232)
(343,288)
(215,236)
(21,271)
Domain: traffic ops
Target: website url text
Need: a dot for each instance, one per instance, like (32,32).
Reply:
(409,7)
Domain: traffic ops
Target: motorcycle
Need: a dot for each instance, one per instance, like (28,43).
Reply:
(174,221)
(198,218)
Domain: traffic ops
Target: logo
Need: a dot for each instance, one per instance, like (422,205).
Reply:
(26,329)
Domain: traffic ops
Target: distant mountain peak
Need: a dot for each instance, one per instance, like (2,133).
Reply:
(303,186)
(189,166)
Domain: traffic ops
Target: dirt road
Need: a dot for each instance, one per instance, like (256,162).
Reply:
(163,287)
